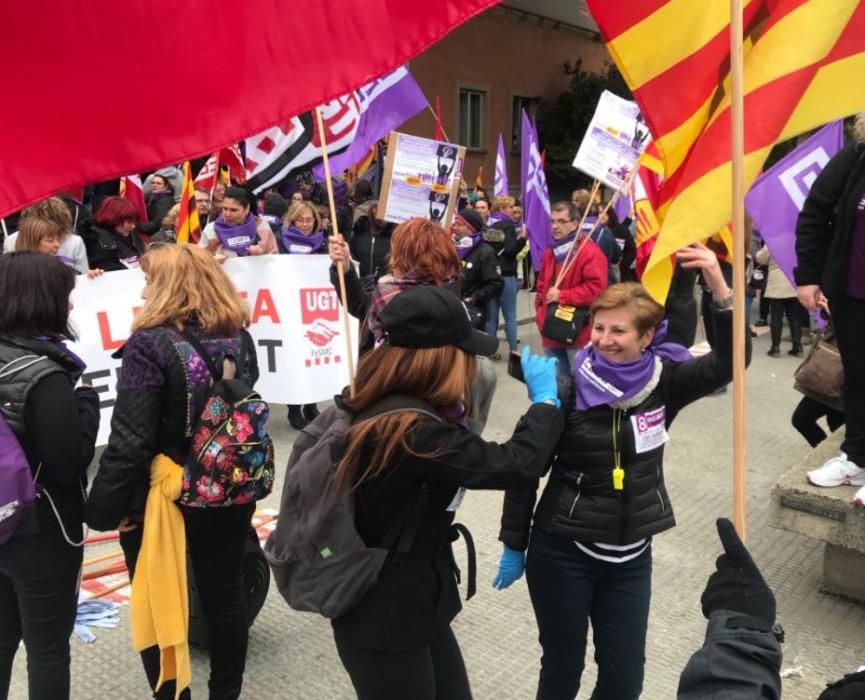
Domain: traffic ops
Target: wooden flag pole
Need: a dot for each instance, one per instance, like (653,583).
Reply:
(737,142)
(339,270)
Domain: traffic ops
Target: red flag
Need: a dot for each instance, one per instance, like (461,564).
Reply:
(83,144)
(206,178)
(543,157)
(438,134)
(188,225)
(230,158)
(131,190)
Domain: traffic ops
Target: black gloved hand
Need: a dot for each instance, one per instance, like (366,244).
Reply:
(737,584)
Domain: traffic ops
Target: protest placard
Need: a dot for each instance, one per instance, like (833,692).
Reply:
(615,138)
(295,322)
(421,178)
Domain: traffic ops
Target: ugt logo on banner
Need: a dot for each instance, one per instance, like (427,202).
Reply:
(319,314)
(798,178)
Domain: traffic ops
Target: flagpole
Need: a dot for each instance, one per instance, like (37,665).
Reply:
(339,270)
(737,141)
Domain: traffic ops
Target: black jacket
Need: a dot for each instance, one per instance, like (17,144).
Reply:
(735,663)
(413,598)
(506,250)
(371,247)
(55,424)
(826,222)
(160,395)
(158,205)
(106,249)
(480,276)
(579,501)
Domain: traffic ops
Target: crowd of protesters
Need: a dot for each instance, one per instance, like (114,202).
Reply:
(430,302)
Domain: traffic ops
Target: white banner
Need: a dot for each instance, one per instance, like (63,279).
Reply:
(296,319)
(616,137)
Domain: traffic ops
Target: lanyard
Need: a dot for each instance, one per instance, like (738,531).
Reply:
(618,472)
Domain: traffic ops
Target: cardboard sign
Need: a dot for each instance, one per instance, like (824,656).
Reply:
(616,137)
(421,178)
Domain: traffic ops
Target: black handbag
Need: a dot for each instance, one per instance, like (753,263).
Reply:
(562,323)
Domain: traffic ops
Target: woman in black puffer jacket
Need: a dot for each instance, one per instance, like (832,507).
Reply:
(589,550)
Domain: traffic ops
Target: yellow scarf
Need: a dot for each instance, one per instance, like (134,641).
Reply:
(159,604)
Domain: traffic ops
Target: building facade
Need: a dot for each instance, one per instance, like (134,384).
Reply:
(504,59)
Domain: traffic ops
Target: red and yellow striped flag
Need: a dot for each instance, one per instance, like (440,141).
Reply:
(802,61)
(188,225)
(479,178)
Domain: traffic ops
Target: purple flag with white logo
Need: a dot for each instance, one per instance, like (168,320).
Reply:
(500,187)
(383,105)
(536,197)
(776,197)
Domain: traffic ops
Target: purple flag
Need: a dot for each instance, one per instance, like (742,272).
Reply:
(622,206)
(500,188)
(776,197)
(383,105)
(536,198)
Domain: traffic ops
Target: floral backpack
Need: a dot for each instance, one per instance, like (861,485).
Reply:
(230,461)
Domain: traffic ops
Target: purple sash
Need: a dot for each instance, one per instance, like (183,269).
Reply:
(467,244)
(297,242)
(599,381)
(561,247)
(237,238)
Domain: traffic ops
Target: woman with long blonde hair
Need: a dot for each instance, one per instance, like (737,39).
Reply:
(190,305)
(408,458)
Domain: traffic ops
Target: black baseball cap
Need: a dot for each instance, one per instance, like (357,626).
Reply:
(432,317)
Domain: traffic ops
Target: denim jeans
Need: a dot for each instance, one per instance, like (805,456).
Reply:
(38,582)
(565,357)
(568,588)
(507,302)
(216,540)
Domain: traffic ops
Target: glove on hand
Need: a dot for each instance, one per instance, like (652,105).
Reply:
(737,584)
(511,567)
(540,376)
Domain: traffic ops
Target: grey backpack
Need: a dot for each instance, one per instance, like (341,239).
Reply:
(319,561)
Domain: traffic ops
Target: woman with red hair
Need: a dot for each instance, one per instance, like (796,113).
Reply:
(111,240)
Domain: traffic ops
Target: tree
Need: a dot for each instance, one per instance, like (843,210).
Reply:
(563,122)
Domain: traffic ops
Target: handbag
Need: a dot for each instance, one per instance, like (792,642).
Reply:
(562,323)
(820,376)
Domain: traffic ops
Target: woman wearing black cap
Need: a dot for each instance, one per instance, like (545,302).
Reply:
(479,265)
(397,642)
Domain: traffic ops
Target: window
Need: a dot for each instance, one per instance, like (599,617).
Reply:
(472,114)
(530,104)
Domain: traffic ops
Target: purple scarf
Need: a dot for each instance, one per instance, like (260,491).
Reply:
(64,350)
(237,238)
(562,247)
(498,216)
(467,244)
(599,381)
(297,242)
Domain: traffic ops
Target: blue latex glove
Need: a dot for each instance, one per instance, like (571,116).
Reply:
(511,567)
(540,375)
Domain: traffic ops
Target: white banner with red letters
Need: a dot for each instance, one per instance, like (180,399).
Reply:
(296,322)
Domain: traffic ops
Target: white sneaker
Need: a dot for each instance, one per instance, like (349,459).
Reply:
(838,471)
(859,500)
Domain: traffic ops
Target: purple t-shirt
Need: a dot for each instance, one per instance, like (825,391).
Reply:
(856,262)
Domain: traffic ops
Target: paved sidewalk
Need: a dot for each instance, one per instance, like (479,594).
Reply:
(291,655)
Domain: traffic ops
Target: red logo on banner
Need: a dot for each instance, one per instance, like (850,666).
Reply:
(318,304)
(317,307)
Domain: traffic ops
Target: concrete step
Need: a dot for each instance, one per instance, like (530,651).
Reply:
(826,514)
